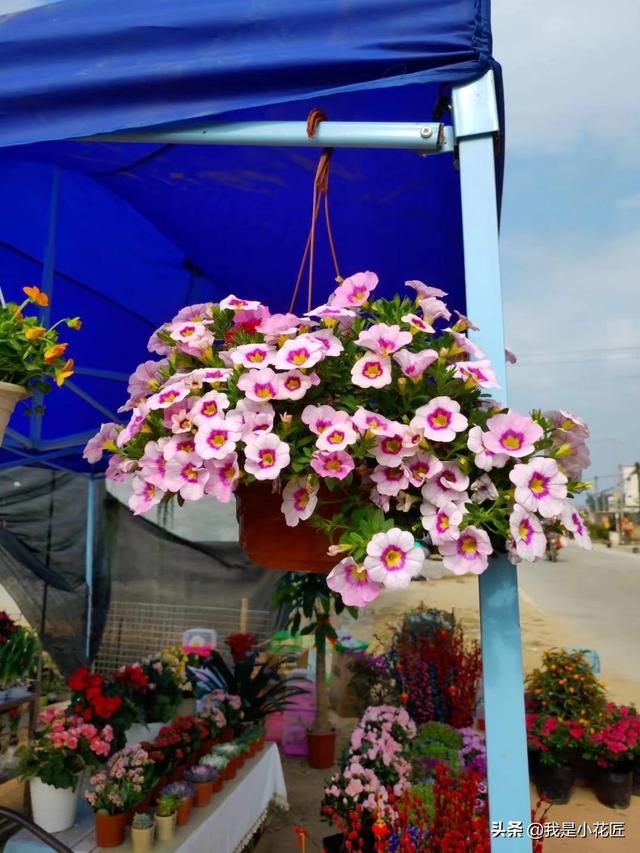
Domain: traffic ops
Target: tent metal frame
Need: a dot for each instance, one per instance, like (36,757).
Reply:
(475,125)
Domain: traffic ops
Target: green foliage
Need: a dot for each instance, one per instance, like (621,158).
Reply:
(436,742)
(18,656)
(306,595)
(142,821)
(166,806)
(565,687)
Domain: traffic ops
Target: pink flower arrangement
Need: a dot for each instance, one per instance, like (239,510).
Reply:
(378,402)
(128,776)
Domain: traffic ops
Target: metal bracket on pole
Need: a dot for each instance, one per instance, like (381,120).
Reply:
(475,123)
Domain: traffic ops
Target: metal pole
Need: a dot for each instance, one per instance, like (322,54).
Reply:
(89,549)
(425,137)
(476,121)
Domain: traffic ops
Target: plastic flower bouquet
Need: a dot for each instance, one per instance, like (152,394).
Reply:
(372,420)
(129,775)
(62,748)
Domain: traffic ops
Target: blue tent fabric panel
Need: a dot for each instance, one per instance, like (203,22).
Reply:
(79,67)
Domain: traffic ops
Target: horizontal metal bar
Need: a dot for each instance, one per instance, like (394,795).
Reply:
(425,137)
(101,374)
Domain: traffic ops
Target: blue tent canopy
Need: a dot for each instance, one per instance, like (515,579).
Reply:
(126,234)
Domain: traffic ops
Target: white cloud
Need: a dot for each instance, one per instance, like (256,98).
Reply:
(571,71)
(630,202)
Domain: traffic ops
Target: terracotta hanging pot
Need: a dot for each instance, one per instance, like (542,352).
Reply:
(269,542)
(10,396)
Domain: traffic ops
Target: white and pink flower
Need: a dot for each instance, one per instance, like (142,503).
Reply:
(337,464)
(479,372)
(433,309)
(217,438)
(153,464)
(574,523)
(414,364)
(389,481)
(421,467)
(294,384)
(529,538)
(208,407)
(253,355)
(186,475)
(441,522)
(418,323)
(449,485)
(424,291)
(192,336)
(177,444)
(253,417)
(540,486)
(354,291)
(393,558)
(440,419)
(319,418)
(235,303)
(145,495)
(391,449)
(136,422)
(260,385)
(367,421)
(512,434)
(484,458)
(331,345)
(147,377)
(265,456)
(104,439)
(468,553)
(299,499)
(371,371)
(483,489)
(301,353)
(382,339)
(337,436)
(177,418)
(279,324)
(353,584)
(168,396)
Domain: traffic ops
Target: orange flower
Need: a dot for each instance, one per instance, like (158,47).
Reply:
(37,296)
(54,352)
(34,332)
(75,323)
(64,372)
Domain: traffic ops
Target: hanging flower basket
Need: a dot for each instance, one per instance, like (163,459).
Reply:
(10,396)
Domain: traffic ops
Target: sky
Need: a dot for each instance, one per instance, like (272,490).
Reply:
(571,215)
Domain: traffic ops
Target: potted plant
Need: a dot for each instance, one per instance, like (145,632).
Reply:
(558,743)
(166,810)
(183,794)
(615,746)
(142,830)
(19,648)
(161,700)
(102,700)
(359,428)
(54,762)
(219,763)
(308,597)
(202,778)
(116,790)
(31,356)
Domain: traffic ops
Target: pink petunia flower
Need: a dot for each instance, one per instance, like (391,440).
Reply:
(252,417)
(540,486)
(156,345)
(424,291)
(260,385)
(448,485)
(153,464)
(186,475)
(145,495)
(512,434)
(169,395)
(483,489)
(118,469)
(568,422)
(217,438)
(468,553)
(464,346)
(318,418)
(224,474)
(389,481)
(573,522)
(371,422)
(371,371)
(354,291)
(208,407)
(234,303)
(177,444)
(433,309)
(299,499)
(393,558)
(191,337)
(390,449)
(479,372)
(463,323)
(279,324)
(199,311)
(414,364)
(136,422)
(418,323)
(252,355)
(382,339)
(344,316)
(484,459)
(441,522)
(421,467)
(147,377)
(95,447)
(265,456)
(337,464)
(294,384)
(177,418)
(301,352)
(528,536)
(337,436)
(510,357)
(356,589)
(331,345)
(196,379)
(440,419)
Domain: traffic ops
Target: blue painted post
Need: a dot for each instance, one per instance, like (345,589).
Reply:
(88,559)
(475,120)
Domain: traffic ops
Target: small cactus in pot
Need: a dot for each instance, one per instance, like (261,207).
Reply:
(142,831)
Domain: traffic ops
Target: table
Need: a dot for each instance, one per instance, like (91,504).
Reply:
(226,826)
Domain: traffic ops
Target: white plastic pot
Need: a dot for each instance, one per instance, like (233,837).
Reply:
(10,395)
(54,809)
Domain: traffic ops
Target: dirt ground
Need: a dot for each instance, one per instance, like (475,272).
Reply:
(538,633)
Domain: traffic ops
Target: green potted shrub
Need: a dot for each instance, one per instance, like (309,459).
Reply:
(166,811)
(308,598)
(31,356)
(142,830)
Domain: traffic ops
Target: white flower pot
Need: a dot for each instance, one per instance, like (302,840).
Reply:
(54,809)
(154,730)
(10,395)
(138,732)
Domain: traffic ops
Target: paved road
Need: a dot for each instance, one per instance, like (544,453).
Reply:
(595,595)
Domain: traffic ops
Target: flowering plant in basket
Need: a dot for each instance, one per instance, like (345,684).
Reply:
(370,417)
(129,775)
(62,748)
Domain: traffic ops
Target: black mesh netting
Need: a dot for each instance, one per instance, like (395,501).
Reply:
(42,542)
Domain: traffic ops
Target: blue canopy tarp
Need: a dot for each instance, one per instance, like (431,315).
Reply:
(130,233)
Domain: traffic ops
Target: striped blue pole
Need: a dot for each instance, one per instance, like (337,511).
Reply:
(475,120)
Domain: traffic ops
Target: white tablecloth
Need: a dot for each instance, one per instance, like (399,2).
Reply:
(225,826)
